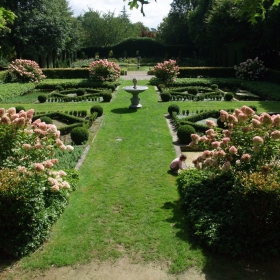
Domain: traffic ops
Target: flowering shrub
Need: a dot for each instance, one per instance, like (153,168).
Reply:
(103,70)
(25,71)
(167,71)
(250,142)
(251,69)
(234,206)
(30,185)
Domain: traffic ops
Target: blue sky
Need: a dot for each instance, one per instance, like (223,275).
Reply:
(155,11)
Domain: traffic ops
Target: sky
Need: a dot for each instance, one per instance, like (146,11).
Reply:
(154,12)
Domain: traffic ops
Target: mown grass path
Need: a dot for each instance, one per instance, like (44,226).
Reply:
(126,202)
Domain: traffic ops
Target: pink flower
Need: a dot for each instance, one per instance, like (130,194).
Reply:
(38,145)
(219,154)
(232,119)
(210,123)
(227,133)
(54,160)
(233,150)
(225,140)
(30,113)
(266,119)
(11,111)
(62,173)
(39,167)
(276,120)
(5,120)
(275,135)
(226,166)
(256,123)
(2,112)
(216,144)
(65,185)
(246,129)
(55,188)
(247,110)
(48,164)
(223,115)
(256,149)
(195,138)
(238,162)
(27,146)
(257,140)
(69,148)
(58,142)
(246,158)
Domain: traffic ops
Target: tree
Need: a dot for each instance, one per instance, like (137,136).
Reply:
(6,18)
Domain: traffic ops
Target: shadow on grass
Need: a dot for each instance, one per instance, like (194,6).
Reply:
(124,110)
(218,266)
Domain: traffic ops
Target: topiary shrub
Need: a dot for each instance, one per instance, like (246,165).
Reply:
(79,135)
(214,86)
(193,90)
(228,96)
(80,91)
(19,108)
(42,98)
(46,119)
(173,108)
(161,87)
(107,96)
(165,96)
(98,109)
(59,88)
(184,133)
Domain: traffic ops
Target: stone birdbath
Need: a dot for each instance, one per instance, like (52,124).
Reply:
(135,90)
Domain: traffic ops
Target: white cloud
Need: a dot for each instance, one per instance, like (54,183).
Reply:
(155,11)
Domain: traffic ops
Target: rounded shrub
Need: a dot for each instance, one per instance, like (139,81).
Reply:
(79,135)
(80,91)
(184,133)
(19,108)
(46,119)
(193,90)
(59,88)
(173,108)
(98,109)
(214,86)
(228,96)
(165,96)
(161,87)
(42,98)
(107,96)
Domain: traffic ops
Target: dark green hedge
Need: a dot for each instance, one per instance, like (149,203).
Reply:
(66,73)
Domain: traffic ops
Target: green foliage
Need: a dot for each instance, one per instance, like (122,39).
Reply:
(184,133)
(107,96)
(11,90)
(228,96)
(214,86)
(161,87)
(42,98)
(46,119)
(193,90)
(173,108)
(98,109)
(19,108)
(80,91)
(79,135)
(165,96)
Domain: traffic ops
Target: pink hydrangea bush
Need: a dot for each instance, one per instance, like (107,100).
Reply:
(104,70)
(167,71)
(30,183)
(250,143)
(24,70)
(251,69)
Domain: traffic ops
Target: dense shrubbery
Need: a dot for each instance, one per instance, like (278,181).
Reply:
(42,98)
(167,71)
(23,70)
(165,96)
(234,207)
(30,183)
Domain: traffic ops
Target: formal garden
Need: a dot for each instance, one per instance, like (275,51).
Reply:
(221,214)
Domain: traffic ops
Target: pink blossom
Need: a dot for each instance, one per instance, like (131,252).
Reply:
(276,120)
(237,112)
(207,154)
(223,115)
(246,129)
(226,166)
(2,112)
(54,160)
(238,162)
(11,111)
(246,158)
(266,119)
(256,149)
(38,145)
(225,140)
(27,146)
(210,123)
(247,110)
(14,116)
(69,148)
(42,126)
(5,120)
(233,150)
(257,140)
(232,119)
(48,164)
(195,138)
(58,142)
(208,162)
(256,123)
(39,167)
(62,173)
(63,147)
(65,185)
(30,113)
(55,188)
(22,168)
(275,135)
(216,144)
(52,181)
(242,117)
(219,154)
(227,133)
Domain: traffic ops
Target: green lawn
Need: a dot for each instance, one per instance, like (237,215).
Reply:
(126,202)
